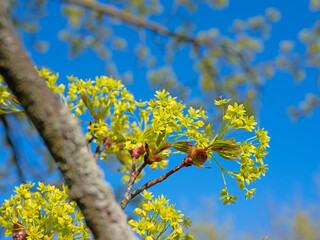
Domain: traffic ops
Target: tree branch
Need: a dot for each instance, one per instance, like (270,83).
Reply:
(63,137)
(151,183)
(160,29)
(137,21)
(97,153)
(133,176)
(141,168)
(13,145)
(89,147)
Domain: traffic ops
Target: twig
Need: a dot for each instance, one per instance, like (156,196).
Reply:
(149,184)
(16,155)
(140,168)
(97,153)
(89,145)
(133,177)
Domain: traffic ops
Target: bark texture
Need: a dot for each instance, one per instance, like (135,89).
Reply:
(63,137)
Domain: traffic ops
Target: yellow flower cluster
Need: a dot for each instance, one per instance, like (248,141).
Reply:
(159,219)
(42,213)
(235,114)
(117,124)
(249,154)
(169,119)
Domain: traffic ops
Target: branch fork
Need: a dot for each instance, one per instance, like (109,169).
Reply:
(187,162)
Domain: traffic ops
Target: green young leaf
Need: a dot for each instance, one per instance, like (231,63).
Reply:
(182,146)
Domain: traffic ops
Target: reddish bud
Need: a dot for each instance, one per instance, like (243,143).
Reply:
(140,149)
(188,161)
(18,232)
(107,143)
(198,156)
(19,235)
(137,152)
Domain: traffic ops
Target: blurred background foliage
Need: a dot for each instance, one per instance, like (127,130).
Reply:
(225,63)
(298,221)
(152,34)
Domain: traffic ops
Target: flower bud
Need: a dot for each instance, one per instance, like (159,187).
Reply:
(187,161)
(224,192)
(198,156)
(18,232)
(137,152)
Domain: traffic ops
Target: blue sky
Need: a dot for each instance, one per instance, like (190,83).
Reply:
(293,159)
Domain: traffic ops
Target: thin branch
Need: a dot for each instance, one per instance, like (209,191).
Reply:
(133,177)
(137,21)
(97,153)
(151,183)
(15,149)
(89,145)
(140,168)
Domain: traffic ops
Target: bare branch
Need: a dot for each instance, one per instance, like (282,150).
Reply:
(141,168)
(97,153)
(133,176)
(63,137)
(132,179)
(89,147)
(15,150)
(151,183)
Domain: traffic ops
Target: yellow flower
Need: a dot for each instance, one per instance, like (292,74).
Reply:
(133,223)
(249,123)
(147,206)
(221,101)
(147,195)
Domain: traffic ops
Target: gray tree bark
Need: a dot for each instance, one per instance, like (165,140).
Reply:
(63,138)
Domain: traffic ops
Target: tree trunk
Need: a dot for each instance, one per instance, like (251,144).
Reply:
(63,137)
